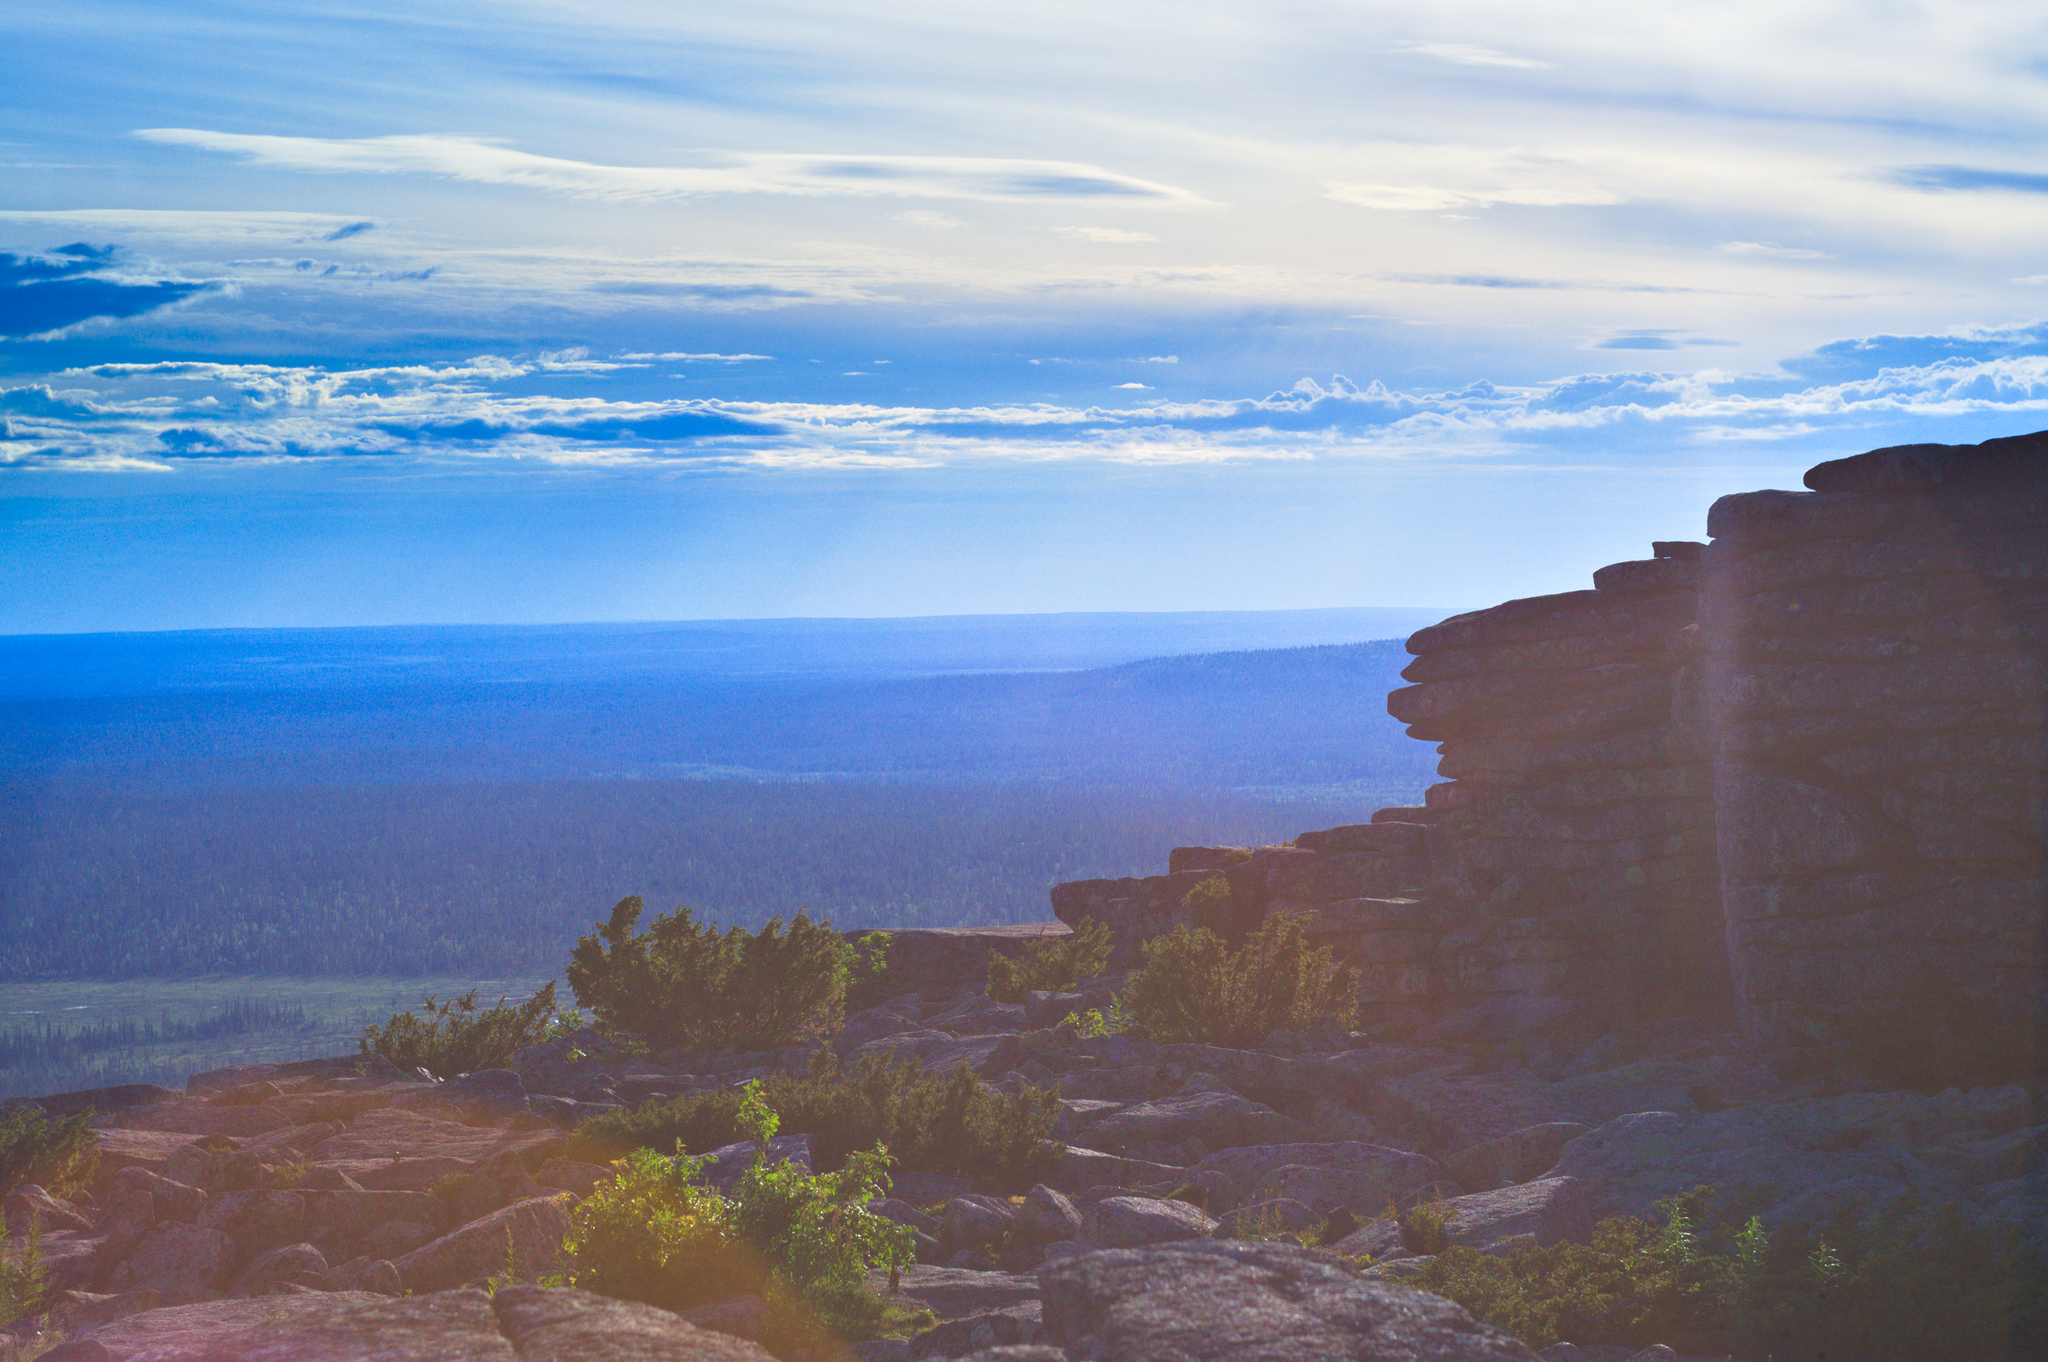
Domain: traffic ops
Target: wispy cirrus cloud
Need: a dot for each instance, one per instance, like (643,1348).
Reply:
(1470,54)
(1771,250)
(487,162)
(484,410)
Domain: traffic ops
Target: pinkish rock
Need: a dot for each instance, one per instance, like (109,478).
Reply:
(520,1241)
(184,1262)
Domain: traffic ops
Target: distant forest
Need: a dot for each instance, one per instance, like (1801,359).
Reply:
(502,878)
(1277,720)
(441,828)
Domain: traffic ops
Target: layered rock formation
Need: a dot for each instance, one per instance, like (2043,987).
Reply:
(1875,652)
(1797,772)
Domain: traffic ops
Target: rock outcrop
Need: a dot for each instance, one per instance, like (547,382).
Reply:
(1795,776)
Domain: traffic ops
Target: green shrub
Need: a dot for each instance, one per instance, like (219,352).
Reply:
(868,980)
(1052,963)
(1209,904)
(1096,1023)
(932,1122)
(1194,988)
(1902,1285)
(680,983)
(455,1038)
(1423,1227)
(802,1242)
(58,1153)
(24,1279)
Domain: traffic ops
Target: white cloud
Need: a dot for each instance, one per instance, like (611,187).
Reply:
(675,356)
(918,217)
(1410,198)
(1160,359)
(1466,54)
(1771,250)
(1146,386)
(1109,234)
(120,417)
(484,162)
(2032,279)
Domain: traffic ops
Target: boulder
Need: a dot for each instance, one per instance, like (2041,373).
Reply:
(74,1261)
(498,1181)
(365,1274)
(976,1222)
(1131,1221)
(570,1176)
(522,1241)
(1551,1211)
(729,1161)
(473,1099)
(553,1325)
(1269,1219)
(519,1324)
(255,1221)
(291,1265)
(1081,1169)
(955,1293)
(1046,1216)
(340,1222)
(1232,1302)
(1363,1177)
(391,1135)
(1630,1163)
(29,1204)
(72,1313)
(1012,1325)
(182,1262)
(1220,1120)
(122,1148)
(1515,1157)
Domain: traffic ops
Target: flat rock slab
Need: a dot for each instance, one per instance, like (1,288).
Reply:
(1222,1301)
(521,1324)
(1630,1163)
(1551,1211)
(1363,1177)
(192,1118)
(121,1148)
(956,1292)
(383,1132)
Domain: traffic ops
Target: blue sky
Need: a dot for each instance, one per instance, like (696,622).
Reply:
(364,313)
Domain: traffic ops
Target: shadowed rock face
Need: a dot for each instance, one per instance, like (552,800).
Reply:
(1797,776)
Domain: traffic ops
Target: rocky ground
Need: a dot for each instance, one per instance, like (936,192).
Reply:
(338,1209)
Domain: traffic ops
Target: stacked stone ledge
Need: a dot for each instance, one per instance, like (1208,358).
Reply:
(1798,772)
(1569,856)
(1874,652)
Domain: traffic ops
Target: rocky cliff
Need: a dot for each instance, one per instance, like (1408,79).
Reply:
(1794,774)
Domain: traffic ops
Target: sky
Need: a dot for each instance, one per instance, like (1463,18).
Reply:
(352,312)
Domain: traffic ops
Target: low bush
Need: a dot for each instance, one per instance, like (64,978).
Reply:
(1210,904)
(932,1122)
(1052,963)
(24,1279)
(1901,1285)
(685,984)
(802,1242)
(456,1038)
(1194,988)
(58,1153)
(868,980)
